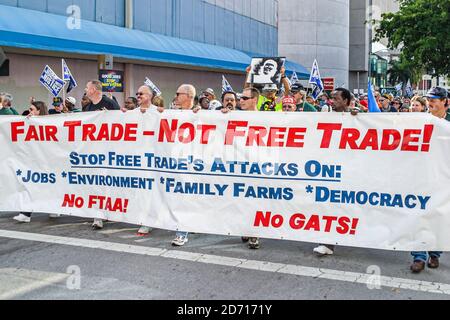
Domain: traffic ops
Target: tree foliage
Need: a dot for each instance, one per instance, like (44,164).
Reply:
(421,29)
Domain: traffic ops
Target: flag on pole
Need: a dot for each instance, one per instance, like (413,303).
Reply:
(150,84)
(226,87)
(51,81)
(316,81)
(409,90)
(373,106)
(399,87)
(68,77)
(294,78)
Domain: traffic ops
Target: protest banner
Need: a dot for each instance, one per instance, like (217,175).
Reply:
(371,180)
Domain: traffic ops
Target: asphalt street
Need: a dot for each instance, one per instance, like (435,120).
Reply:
(64,259)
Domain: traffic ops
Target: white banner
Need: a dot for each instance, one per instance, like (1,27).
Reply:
(371,180)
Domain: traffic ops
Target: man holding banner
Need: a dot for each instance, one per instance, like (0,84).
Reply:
(439,107)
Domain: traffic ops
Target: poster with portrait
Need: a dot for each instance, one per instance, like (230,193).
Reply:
(266,71)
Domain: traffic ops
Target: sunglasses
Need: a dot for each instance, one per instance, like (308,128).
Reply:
(140,94)
(246,98)
(180,93)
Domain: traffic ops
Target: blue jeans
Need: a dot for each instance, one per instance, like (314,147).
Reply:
(182,234)
(423,255)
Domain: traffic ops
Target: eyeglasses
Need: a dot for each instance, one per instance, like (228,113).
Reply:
(180,93)
(246,98)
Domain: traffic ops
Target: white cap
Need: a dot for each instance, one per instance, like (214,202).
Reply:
(72,100)
(269,87)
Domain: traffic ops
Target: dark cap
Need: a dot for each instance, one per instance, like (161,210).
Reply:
(57,101)
(297,87)
(437,93)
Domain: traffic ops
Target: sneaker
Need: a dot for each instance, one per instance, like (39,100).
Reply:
(22,218)
(97,225)
(433,263)
(143,231)
(245,239)
(54,216)
(254,244)
(418,266)
(179,241)
(323,251)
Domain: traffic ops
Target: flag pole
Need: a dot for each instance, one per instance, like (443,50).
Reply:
(64,87)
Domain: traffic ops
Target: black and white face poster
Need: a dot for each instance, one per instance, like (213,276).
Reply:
(266,70)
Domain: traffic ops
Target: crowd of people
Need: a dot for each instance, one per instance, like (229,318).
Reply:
(294,98)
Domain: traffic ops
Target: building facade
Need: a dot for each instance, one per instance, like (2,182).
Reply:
(336,33)
(169,41)
(319,30)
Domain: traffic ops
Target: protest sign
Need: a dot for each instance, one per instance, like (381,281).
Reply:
(51,81)
(266,71)
(112,80)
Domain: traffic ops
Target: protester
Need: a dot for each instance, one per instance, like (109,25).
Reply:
(5,111)
(158,101)
(131,103)
(229,100)
(145,96)
(58,106)
(70,105)
(85,102)
(396,104)
(438,103)
(204,102)
(342,99)
(419,104)
(268,100)
(298,92)
(385,101)
(184,100)
(249,102)
(209,94)
(99,101)
(289,104)
(37,108)
(7,104)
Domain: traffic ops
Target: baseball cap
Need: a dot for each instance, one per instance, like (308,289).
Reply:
(71,100)
(288,100)
(298,87)
(270,87)
(57,101)
(209,91)
(437,93)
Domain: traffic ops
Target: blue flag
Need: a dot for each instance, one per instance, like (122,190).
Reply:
(373,106)
(294,78)
(51,81)
(226,87)
(316,80)
(67,76)
(409,90)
